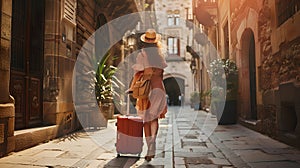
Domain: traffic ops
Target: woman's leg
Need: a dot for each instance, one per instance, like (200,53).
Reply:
(147,130)
(151,129)
(154,130)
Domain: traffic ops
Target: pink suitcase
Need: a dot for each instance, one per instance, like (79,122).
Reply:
(129,134)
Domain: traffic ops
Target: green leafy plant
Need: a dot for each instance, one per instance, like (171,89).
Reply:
(105,80)
(197,97)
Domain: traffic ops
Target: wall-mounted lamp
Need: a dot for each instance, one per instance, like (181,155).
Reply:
(64,37)
(131,41)
(193,65)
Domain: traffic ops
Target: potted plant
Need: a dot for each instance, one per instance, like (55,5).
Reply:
(103,83)
(221,71)
(195,100)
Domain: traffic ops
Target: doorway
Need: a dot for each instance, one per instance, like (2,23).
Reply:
(247,79)
(175,91)
(252,80)
(27,54)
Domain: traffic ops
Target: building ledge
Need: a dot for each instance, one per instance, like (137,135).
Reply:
(30,137)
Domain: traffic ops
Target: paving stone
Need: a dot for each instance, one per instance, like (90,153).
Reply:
(198,160)
(219,155)
(192,144)
(56,162)
(219,161)
(50,153)
(283,164)
(276,150)
(192,154)
(180,166)
(106,156)
(88,163)
(151,166)
(258,156)
(93,154)
(190,136)
(70,154)
(20,166)
(18,159)
(179,161)
(240,145)
(291,156)
(202,166)
(3,165)
(29,152)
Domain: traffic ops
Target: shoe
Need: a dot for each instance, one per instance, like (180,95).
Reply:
(148,158)
(151,152)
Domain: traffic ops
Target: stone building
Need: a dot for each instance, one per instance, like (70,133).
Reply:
(40,40)
(171,21)
(262,37)
(204,47)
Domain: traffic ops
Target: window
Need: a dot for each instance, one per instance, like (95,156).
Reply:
(176,19)
(189,14)
(170,20)
(286,9)
(173,45)
(173,20)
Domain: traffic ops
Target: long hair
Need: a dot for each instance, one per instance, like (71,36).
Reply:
(155,56)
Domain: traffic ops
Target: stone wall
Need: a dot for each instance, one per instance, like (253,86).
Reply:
(278,69)
(7,110)
(59,60)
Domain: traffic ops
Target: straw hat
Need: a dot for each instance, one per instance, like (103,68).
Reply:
(150,36)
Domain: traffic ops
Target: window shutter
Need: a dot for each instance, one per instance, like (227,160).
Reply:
(70,11)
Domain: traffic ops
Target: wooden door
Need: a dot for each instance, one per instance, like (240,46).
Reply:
(27,51)
(252,75)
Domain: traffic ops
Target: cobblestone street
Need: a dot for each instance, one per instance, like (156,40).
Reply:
(185,140)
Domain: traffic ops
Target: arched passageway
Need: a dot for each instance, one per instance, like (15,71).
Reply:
(175,91)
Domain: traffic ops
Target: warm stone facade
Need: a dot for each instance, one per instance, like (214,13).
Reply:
(266,50)
(7,140)
(65,26)
(263,39)
(171,21)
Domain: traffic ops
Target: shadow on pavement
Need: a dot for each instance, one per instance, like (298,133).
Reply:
(72,136)
(122,161)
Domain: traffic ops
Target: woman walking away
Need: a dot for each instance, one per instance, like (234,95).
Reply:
(150,63)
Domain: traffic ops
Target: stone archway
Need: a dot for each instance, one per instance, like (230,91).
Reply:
(247,79)
(174,88)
